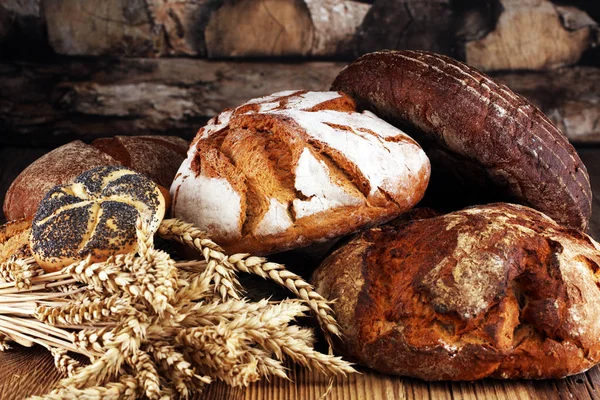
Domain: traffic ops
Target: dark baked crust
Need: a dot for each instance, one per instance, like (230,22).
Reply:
(490,291)
(157,157)
(477,133)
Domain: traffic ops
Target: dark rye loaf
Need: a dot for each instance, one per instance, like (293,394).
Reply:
(485,142)
(490,291)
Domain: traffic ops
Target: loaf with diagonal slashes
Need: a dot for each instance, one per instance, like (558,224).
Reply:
(485,142)
(293,168)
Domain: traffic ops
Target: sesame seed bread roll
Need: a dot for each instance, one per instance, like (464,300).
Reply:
(294,168)
(95,216)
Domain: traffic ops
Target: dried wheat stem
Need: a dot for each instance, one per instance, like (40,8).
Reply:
(38,286)
(124,389)
(38,296)
(4,342)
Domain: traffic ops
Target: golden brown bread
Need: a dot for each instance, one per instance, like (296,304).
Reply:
(485,142)
(490,291)
(94,216)
(158,157)
(14,239)
(294,168)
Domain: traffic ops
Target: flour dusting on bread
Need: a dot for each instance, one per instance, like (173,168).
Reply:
(304,167)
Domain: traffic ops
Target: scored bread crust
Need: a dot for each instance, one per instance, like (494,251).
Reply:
(293,168)
(485,142)
(490,291)
(95,216)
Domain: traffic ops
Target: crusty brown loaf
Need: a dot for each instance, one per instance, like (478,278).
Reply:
(485,142)
(294,168)
(14,239)
(158,157)
(94,216)
(490,291)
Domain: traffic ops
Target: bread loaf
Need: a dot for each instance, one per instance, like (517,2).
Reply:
(485,142)
(490,291)
(14,240)
(158,157)
(94,216)
(294,168)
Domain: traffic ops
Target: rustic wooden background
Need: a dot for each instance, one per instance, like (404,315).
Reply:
(77,69)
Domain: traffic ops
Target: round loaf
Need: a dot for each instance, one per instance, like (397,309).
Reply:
(490,291)
(294,168)
(485,142)
(94,216)
(158,157)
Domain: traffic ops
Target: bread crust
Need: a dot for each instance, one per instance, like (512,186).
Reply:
(294,168)
(158,157)
(14,240)
(95,216)
(485,142)
(490,291)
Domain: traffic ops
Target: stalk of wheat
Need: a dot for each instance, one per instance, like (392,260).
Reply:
(155,327)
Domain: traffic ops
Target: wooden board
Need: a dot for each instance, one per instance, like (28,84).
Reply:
(25,372)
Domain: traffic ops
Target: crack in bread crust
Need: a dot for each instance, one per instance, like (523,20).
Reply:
(313,169)
(490,291)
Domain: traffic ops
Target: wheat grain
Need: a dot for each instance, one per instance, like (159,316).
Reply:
(167,328)
(146,373)
(125,388)
(63,362)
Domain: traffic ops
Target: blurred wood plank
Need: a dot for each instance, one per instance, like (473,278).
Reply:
(50,104)
(533,35)
(570,97)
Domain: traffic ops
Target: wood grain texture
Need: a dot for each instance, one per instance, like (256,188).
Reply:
(532,35)
(570,97)
(42,104)
(53,103)
(31,371)
(127,27)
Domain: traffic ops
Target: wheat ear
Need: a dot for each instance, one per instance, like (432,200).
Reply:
(197,239)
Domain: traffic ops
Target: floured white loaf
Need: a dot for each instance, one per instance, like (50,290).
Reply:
(294,168)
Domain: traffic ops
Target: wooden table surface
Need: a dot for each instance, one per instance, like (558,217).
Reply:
(28,371)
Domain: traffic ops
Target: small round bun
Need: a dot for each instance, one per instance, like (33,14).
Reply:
(490,291)
(95,216)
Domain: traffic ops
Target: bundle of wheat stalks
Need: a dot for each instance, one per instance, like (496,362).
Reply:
(155,327)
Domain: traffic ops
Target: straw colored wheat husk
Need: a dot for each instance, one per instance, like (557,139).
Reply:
(159,328)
